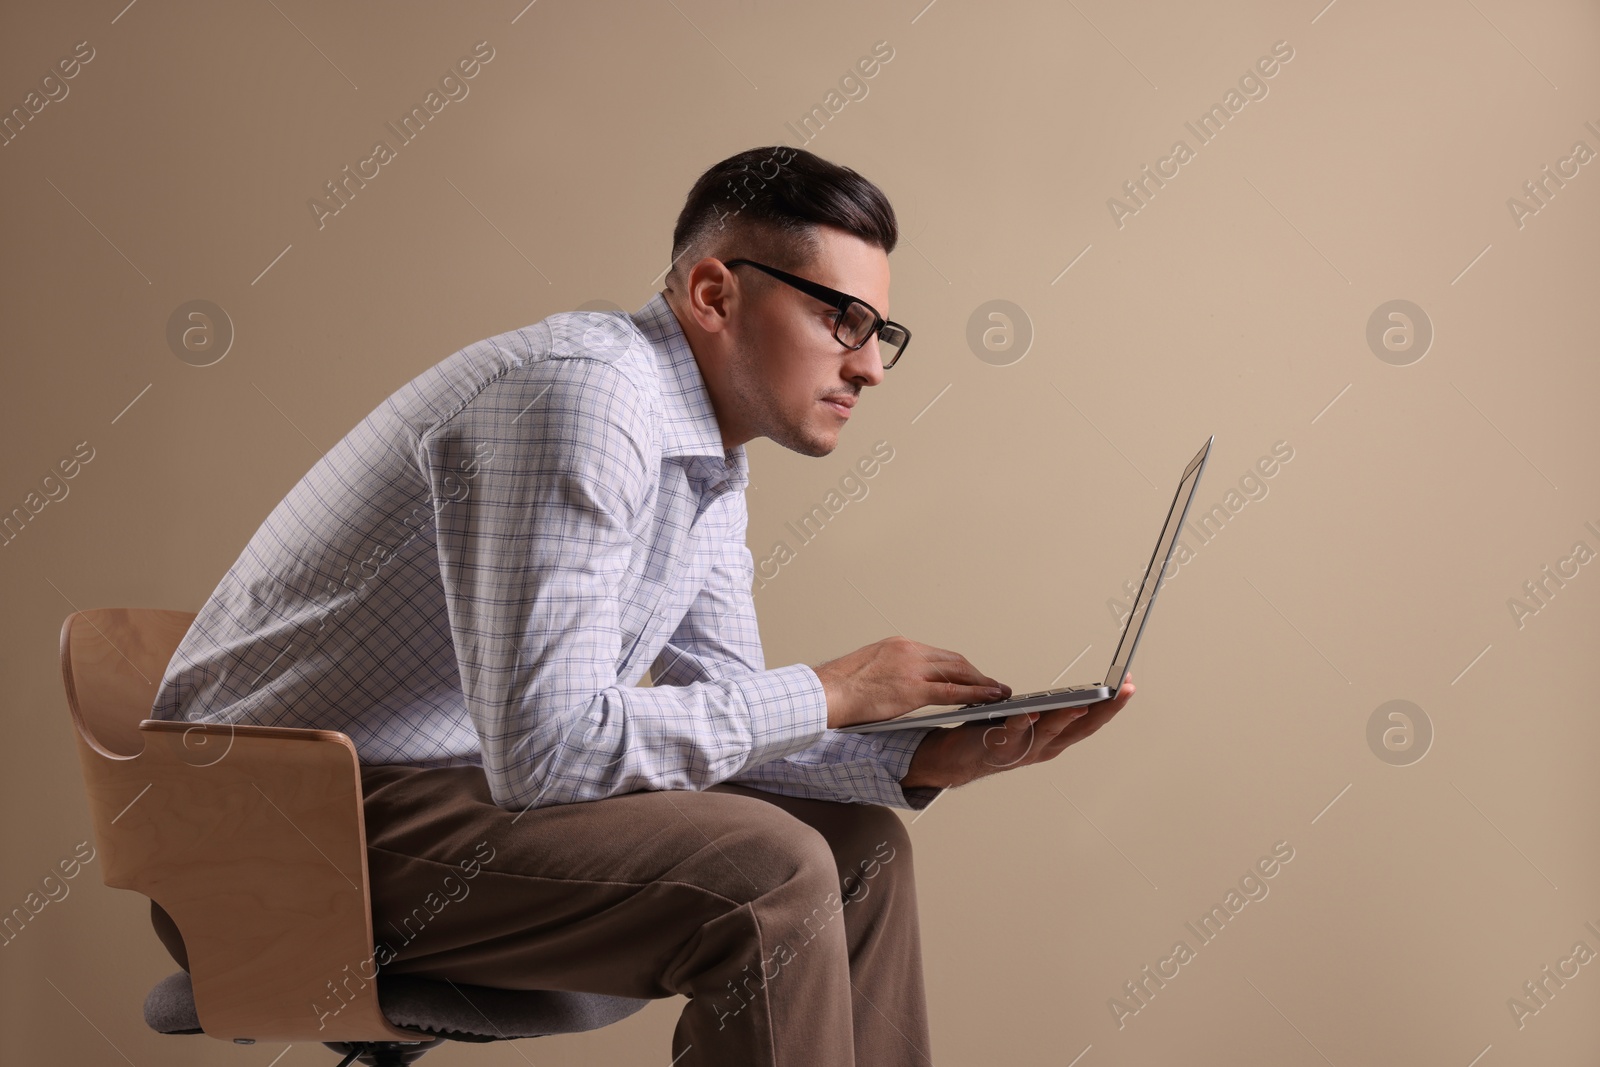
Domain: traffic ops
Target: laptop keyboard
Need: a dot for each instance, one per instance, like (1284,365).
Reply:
(1041,693)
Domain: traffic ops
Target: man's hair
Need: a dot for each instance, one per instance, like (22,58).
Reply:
(766,204)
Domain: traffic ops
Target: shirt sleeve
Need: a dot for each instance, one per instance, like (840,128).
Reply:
(719,636)
(540,484)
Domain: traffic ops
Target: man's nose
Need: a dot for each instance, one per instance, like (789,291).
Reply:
(866,363)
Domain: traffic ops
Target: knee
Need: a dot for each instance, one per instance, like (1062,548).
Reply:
(876,850)
(773,851)
(809,857)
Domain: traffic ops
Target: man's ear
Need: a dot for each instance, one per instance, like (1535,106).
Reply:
(711,294)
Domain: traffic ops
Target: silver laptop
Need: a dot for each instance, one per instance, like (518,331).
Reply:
(1070,696)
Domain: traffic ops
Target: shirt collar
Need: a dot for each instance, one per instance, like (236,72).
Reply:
(689,423)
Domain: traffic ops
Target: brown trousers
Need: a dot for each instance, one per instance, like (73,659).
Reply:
(791,925)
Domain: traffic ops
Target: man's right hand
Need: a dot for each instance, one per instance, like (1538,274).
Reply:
(897,675)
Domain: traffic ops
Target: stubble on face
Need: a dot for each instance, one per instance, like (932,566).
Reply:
(759,399)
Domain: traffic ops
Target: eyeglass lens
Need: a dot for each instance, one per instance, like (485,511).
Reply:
(855,325)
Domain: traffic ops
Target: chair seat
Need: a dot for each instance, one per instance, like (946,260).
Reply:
(449,1009)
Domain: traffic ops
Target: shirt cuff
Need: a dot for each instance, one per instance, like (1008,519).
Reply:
(788,712)
(895,758)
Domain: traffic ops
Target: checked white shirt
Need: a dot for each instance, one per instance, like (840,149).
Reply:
(482,570)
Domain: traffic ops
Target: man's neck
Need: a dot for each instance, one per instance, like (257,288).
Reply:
(708,363)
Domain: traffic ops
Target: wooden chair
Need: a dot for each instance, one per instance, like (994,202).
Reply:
(251,838)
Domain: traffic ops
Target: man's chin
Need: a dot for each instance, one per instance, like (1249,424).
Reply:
(809,442)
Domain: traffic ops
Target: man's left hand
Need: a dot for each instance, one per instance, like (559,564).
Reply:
(955,756)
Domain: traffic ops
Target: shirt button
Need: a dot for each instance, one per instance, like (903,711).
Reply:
(877,746)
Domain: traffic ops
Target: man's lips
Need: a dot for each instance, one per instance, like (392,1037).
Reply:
(841,404)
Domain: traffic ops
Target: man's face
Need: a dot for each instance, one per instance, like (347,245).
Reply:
(790,380)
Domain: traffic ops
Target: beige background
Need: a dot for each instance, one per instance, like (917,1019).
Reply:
(1419,499)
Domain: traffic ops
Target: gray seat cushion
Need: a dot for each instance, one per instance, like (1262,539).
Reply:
(463,1012)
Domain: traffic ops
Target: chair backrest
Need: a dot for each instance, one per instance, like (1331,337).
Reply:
(250,837)
(112,660)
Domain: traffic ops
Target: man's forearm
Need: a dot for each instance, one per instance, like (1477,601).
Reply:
(926,768)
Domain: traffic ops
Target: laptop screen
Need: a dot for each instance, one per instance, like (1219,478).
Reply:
(1157,572)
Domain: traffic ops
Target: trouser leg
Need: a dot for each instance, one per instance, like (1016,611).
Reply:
(877,903)
(645,895)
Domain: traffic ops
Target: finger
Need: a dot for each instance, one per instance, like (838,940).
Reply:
(954,667)
(959,671)
(954,693)
(1056,721)
(969,682)
(932,663)
(1081,722)
(935,654)
(1120,698)
(1098,715)
(1054,725)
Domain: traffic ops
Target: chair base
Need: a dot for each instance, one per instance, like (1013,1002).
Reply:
(439,1010)
(381,1053)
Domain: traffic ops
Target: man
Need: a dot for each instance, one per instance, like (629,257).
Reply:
(472,583)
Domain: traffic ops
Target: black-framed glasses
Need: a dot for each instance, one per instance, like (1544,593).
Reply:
(857,320)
